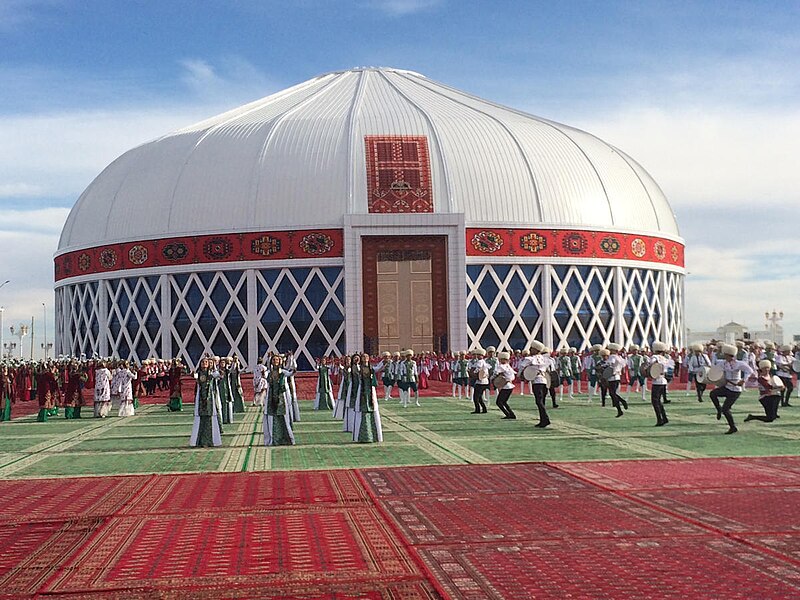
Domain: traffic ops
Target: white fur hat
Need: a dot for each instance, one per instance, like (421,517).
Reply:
(696,347)
(769,344)
(596,348)
(786,348)
(614,347)
(386,353)
(660,347)
(491,349)
(728,350)
(537,345)
(479,351)
(503,355)
(604,352)
(765,364)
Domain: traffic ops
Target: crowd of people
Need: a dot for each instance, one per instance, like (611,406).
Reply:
(348,385)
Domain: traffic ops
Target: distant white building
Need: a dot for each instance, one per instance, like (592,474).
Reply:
(730,332)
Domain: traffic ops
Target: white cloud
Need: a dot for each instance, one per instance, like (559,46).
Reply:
(711,157)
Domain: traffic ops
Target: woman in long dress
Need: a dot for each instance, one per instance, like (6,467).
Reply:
(176,371)
(340,408)
(366,415)
(278,405)
(324,397)
(102,391)
(125,377)
(235,382)
(73,396)
(206,430)
(225,394)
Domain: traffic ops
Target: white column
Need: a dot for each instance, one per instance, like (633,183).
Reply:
(619,309)
(166,317)
(102,317)
(547,307)
(251,319)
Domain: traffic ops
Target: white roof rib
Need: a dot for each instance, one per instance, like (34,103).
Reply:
(296,159)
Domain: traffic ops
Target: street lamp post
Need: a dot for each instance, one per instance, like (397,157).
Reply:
(772,322)
(2,309)
(19,332)
(44,325)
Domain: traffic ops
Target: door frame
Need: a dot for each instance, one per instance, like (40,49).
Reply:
(436,246)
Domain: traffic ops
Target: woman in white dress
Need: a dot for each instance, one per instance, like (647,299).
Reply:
(124,376)
(102,391)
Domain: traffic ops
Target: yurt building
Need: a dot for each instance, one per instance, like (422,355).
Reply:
(369,209)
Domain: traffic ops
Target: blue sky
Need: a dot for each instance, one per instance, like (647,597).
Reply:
(704,94)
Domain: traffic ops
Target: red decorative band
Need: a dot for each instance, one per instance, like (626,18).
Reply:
(572,243)
(201,249)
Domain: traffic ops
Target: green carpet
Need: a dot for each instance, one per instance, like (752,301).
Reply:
(441,431)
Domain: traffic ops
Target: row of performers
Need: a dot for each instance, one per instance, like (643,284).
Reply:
(274,392)
(73,384)
(543,373)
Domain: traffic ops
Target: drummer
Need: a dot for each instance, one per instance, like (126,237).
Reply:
(783,365)
(697,363)
(479,370)
(658,392)
(615,365)
(769,394)
(736,373)
(504,370)
(539,381)
(555,380)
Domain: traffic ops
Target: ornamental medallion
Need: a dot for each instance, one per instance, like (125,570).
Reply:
(138,254)
(217,248)
(108,258)
(610,245)
(84,262)
(575,243)
(660,250)
(175,251)
(266,245)
(487,242)
(316,243)
(638,247)
(533,242)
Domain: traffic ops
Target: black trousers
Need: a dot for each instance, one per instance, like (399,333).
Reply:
(540,395)
(770,404)
(787,390)
(477,396)
(616,399)
(700,388)
(502,402)
(730,399)
(658,392)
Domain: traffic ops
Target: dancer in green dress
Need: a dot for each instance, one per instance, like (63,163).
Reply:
(367,418)
(277,408)
(324,397)
(206,430)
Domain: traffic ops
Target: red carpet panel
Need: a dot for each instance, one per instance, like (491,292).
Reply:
(629,529)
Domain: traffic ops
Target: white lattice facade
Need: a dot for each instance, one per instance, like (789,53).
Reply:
(247,312)
(508,305)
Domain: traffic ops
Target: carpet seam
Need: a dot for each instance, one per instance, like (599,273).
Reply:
(412,551)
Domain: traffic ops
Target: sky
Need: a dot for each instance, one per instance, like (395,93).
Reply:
(705,95)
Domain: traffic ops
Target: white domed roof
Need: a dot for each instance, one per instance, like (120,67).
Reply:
(296,159)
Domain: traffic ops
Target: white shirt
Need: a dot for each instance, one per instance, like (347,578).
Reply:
(696,362)
(508,373)
(616,362)
(481,365)
(665,362)
(735,370)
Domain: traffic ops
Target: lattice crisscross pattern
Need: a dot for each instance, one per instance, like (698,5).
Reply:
(582,305)
(642,310)
(78,326)
(301,309)
(134,316)
(208,314)
(673,284)
(503,305)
